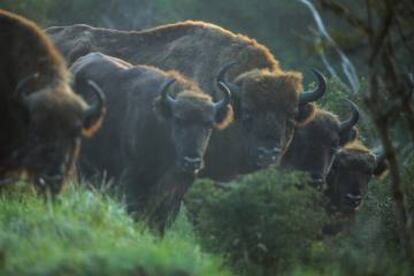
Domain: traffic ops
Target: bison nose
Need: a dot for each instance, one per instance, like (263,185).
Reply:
(267,157)
(353,199)
(317,180)
(53,182)
(191,164)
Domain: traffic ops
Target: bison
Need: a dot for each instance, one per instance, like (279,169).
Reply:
(347,182)
(268,103)
(155,134)
(314,146)
(42,119)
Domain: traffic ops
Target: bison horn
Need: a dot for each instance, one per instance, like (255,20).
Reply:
(221,77)
(348,124)
(227,97)
(96,109)
(166,98)
(23,82)
(317,93)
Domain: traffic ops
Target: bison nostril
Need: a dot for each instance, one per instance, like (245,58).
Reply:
(276,150)
(353,200)
(191,163)
(353,197)
(192,160)
(41,181)
(316,177)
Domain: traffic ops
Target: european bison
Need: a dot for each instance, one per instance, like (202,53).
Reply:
(347,182)
(151,140)
(268,102)
(314,146)
(42,119)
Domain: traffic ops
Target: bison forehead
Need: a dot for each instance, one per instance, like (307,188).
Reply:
(58,105)
(324,124)
(194,108)
(262,89)
(358,160)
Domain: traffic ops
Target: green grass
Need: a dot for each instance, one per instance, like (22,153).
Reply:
(85,232)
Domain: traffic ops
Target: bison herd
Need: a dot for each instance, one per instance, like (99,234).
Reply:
(171,103)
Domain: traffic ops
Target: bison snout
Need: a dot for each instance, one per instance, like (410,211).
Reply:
(317,180)
(267,157)
(353,200)
(52,182)
(191,164)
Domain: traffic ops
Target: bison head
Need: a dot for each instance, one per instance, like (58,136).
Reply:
(268,106)
(58,118)
(315,145)
(192,115)
(350,174)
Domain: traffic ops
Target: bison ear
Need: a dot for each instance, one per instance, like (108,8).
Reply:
(381,169)
(306,114)
(163,110)
(348,136)
(224,117)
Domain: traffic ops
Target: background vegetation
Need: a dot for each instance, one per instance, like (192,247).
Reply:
(267,223)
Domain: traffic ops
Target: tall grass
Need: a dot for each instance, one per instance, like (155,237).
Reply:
(85,232)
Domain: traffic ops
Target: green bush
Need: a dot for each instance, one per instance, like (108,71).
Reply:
(372,246)
(263,224)
(87,233)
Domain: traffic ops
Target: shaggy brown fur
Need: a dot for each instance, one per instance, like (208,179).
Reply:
(22,41)
(45,120)
(263,90)
(199,50)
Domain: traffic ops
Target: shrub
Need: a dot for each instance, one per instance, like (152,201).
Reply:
(264,223)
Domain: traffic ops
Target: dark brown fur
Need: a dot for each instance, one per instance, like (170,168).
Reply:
(43,121)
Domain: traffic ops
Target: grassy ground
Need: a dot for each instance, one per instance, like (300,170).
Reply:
(87,233)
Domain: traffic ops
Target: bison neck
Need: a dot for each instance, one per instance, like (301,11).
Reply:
(225,158)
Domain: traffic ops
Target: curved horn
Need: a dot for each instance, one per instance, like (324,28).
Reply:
(348,124)
(227,97)
(165,97)
(95,110)
(23,82)
(315,94)
(221,77)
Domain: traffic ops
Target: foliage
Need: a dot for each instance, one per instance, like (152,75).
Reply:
(87,233)
(372,246)
(264,223)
